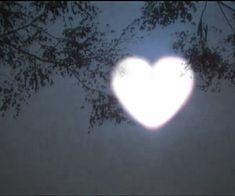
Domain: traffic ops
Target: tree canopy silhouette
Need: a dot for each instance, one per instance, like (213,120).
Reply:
(40,39)
(31,53)
(214,62)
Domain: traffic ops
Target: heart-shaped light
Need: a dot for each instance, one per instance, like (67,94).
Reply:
(152,95)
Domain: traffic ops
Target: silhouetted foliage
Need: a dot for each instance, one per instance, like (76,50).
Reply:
(213,63)
(166,13)
(41,39)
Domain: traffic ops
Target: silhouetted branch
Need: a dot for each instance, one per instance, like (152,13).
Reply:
(47,33)
(225,17)
(118,41)
(224,4)
(76,75)
(204,9)
(73,71)
(20,28)
(30,54)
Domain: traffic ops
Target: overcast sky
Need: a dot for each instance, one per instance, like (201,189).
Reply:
(47,149)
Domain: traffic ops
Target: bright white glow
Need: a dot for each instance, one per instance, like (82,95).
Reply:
(152,95)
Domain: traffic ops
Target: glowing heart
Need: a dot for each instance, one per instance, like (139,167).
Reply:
(152,95)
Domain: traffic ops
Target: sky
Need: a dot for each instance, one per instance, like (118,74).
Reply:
(48,150)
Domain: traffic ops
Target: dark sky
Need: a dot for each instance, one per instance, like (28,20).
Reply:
(47,149)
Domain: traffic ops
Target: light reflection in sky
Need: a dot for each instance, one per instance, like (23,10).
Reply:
(152,95)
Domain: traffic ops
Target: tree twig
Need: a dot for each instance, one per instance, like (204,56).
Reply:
(204,9)
(225,5)
(221,9)
(73,71)
(20,28)
(47,33)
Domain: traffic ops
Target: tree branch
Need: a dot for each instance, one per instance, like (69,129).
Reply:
(119,39)
(73,71)
(30,54)
(76,75)
(225,16)
(20,28)
(47,33)
(204,9)
(225,5)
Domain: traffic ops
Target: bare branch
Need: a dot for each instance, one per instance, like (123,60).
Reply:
(221,9)
(225,5)
(204,9)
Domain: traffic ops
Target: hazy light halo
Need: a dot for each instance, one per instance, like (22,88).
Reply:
(152,95)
